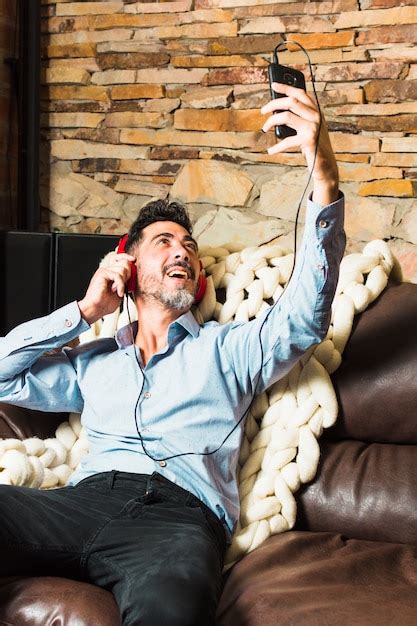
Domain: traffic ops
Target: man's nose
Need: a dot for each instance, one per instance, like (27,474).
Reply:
(181,253)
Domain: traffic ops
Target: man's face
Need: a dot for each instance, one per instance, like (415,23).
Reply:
(168,265)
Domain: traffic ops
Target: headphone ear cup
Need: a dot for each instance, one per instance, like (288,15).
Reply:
(201,289)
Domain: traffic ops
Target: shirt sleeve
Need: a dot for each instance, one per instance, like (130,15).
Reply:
(265,349)
(30,374)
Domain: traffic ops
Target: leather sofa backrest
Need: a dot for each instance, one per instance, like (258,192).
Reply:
(365,487)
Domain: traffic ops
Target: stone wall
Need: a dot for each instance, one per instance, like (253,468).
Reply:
(148,100)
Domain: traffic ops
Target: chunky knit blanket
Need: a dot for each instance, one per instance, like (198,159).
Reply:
(279,450)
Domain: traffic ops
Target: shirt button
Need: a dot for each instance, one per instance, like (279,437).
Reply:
(147,394)
(163,463)
(320,266)
(68,323)
(323,224)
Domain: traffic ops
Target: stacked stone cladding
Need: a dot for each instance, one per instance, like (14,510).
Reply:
(150,100)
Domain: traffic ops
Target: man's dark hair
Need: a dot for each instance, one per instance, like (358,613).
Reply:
(157,211)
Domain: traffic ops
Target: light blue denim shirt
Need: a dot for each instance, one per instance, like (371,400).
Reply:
(191,394)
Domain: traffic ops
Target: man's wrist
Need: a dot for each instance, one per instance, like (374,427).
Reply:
(325,191)
(88,312)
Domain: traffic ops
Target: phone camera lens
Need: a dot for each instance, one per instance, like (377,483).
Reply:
(289,79)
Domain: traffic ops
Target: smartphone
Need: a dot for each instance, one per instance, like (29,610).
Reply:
(288,76)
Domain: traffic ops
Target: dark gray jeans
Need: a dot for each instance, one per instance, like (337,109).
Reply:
(154,545)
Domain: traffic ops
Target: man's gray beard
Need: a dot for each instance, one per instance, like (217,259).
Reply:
(179,300)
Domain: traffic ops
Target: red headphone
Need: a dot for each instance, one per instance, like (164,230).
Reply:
(131,284)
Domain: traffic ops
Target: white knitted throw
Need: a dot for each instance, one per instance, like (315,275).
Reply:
(279,450)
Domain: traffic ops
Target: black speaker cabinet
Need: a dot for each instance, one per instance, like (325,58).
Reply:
(40,272)
(26,270)
(76,259)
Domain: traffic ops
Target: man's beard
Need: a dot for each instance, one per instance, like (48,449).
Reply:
(179,299)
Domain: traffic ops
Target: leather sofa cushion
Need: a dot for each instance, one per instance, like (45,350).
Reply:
(376,383)
(365,491)
(50,601)
(322,579)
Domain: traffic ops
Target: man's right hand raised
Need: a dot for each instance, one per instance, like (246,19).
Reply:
(106,288)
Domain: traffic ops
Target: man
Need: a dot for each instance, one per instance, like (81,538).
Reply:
(150,511)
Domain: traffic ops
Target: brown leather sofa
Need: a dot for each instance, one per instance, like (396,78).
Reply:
(352,558)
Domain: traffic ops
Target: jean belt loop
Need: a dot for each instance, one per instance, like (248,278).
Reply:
(112,478)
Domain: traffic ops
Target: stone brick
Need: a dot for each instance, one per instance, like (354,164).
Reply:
(251,44)
(191,31)
(66,75)
(412,74)
(135,92)
(163,76)
(117,34)
(65,25)
(132,60)
(149,167)
(113,77)
(279,197)
(213,182)
(378,17)
(390,90)
(101,135)
(74,50)
(354,158)
(253,99)
(239,157)
(360,71)
(139,187)
(323,40)
(406,254)
(344,142)
(258,142)
(384,4)
(69,149)
(376,109)
(399,144)
(96,165)
(206,16)
(130,47)
(90,8)
(367,219)
(78,93)
(217,61)
(237,75)
(104,22)
(408,225)
(298,24)
(226,225)
(387,34)
(389,159)
(404,54)
(167,105)
(137,120)
(361,173)
(298,8)
(163,7)
(218,120)
(64,106)
(207,97)
(69,120)
(393,123)
(88,64)
(171,153)
(341,96)
(395,188)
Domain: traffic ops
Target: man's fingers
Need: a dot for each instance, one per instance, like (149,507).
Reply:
(285,144)
(291,92)
(295,106)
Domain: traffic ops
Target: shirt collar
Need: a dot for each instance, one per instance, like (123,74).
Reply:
(125,335)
